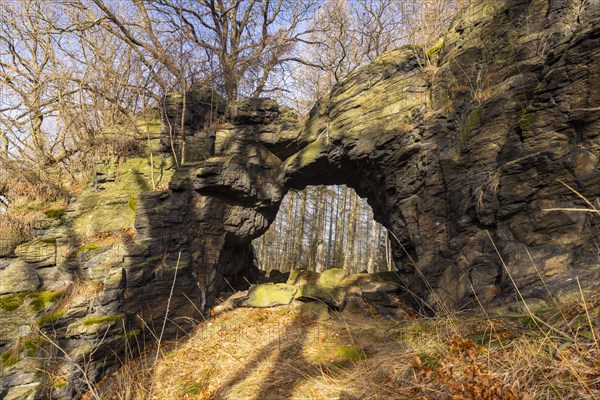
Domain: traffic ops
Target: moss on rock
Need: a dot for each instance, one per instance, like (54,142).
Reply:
(525,123)
(332,277)
(55,213)
(333,296)
(435,49)
(270,295)
(318,310)
(9,358)
(42,300)
(50,317)
(472,122)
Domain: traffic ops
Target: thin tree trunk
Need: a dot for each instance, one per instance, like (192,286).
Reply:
(388,252)
(340,229)
(285,256)
(372,245)
(182,127)
(301,230)
(319,231)
(330,243)
(349,256)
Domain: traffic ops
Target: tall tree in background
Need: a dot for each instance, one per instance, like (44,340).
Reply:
(62,79)
(298,239)
(204,42)
(246,40)
(346,34)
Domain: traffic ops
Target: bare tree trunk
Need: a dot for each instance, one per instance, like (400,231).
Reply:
(319,231)
(341,228)
(388,253)
(349,256)
(287,254)
(182,127)
(330,243)
(299,242)
(372,246)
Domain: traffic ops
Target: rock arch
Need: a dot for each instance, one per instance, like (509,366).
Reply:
(459,153)
(467,155)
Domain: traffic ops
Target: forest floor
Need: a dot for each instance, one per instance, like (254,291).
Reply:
(286,353)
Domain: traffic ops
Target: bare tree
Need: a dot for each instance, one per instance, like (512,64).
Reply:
(63,80)
(246,39)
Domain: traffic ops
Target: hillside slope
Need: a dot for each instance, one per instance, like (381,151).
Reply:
(288,352)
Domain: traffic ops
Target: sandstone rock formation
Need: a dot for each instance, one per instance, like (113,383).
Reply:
(466,154)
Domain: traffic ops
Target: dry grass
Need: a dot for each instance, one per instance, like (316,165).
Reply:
(17,227)
(22,184)
(26,195)
(281,353)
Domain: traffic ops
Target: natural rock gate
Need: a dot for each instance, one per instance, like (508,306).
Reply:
(466,155)
(465,163)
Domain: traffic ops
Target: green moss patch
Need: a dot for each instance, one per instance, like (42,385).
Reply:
(332,277)
(525,123)
(132,203)
(435,49)
(9,358)
(11,302)
(60,383)
(39,300)
(32,344)
(351,353)
(55,213)
(132,333)
(270,295)
(51,317)
(88,247)
(472,122)
(42,300)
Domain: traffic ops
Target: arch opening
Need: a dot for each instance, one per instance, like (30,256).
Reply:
(323,227)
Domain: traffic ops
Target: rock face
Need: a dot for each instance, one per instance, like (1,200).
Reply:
(467,155)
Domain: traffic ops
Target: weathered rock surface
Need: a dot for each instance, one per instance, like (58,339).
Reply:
(16,276)
(467,159)
(369,294)
(270,295)
(41,252)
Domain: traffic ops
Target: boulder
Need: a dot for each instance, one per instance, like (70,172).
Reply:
(332,277)
(277,276)
(356,305)
(8,245)
(335,297)
(380,298)
(270,295)
(233,301)
(41,252)
(18,276)
(22,392)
